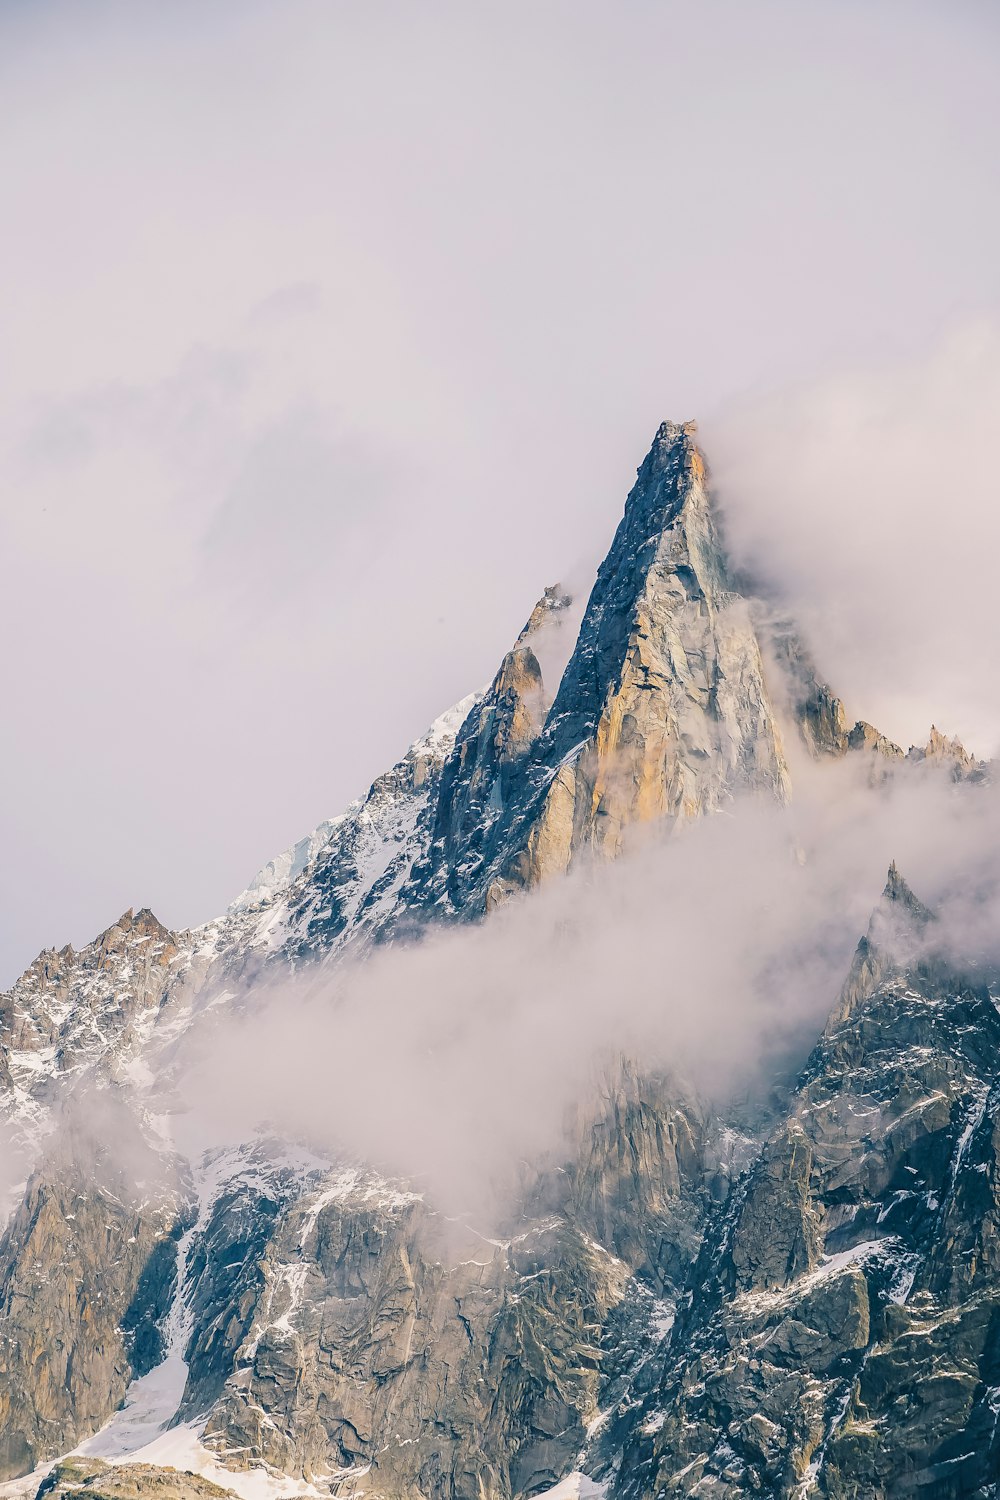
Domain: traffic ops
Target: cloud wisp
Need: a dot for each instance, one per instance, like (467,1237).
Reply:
(714,957)
(868,502)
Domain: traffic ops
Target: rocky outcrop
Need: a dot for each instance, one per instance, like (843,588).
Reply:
(639,1175)
(96,1480)
(819,716)
(901,930)
(868,740)
(351,1327)
(839,1338)
(70,1010)
(661,714)
(809,706)
(485,770)
(87,1269)
(950,755)
(418,1360)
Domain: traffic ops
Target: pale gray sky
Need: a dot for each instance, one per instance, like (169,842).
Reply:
(333,332)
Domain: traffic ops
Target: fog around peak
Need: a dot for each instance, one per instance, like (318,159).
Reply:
(714,956)
(868,504)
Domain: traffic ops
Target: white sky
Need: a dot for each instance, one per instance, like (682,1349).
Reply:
(334,332)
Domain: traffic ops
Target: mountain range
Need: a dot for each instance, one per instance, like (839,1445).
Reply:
(789,1292)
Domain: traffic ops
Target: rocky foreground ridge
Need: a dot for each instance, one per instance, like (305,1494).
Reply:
(793,1295)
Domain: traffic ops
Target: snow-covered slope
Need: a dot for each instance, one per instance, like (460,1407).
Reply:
(135,989)
(337,888)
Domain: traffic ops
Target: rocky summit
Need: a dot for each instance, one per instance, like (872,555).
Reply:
(788,1290)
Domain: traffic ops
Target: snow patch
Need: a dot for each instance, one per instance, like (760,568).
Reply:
(575,1486)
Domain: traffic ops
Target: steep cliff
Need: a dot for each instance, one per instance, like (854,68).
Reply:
(87,1273)
(839,1337)
(661,714)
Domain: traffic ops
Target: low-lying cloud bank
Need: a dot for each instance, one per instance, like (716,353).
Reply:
(715,955)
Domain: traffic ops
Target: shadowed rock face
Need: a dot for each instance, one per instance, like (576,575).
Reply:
(87,1271)
(351,1327)
(486,768)
(661,714)
(663,711)
(97,1480)
(841,1338)
(430,1361)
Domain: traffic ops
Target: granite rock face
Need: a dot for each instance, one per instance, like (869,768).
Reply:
(662,713)
(87,1272)
(484,774)
(340,1324)
(839,1338)
(414,1366)
(663,710)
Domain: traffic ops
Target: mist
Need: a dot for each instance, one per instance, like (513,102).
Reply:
(713,957)
(868,504)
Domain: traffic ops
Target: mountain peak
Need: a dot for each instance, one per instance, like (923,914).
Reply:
(898,893)
(662,711)
(661,714)
(896,937)
(141,924)
(554,600)
(670,477)
(695,1266)
(670,431)
(948,752)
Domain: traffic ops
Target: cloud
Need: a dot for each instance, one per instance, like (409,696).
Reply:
(714,957)
(868,502)
(301,508)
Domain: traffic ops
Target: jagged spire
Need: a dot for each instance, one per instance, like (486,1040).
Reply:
(896,931)
(671,477)
(554,600)
(897,894)
(662,711)
(665,543)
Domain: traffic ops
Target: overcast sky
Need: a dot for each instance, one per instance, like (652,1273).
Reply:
(333,332)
